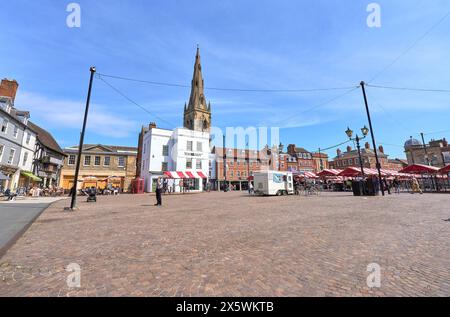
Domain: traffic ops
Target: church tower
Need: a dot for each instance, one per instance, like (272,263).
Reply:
(197,114)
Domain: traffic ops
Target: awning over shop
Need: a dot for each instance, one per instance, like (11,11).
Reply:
(420,169)
(31,176)
(185,175)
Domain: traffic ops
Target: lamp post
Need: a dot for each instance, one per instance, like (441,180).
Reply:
(280,150)
(73,202)
(321,161)
(364,131)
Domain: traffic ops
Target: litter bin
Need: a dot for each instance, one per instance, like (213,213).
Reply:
(373,187)
(358,188)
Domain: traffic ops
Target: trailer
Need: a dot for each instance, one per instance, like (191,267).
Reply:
(273,183)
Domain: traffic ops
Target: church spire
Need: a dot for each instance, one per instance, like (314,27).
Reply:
(197,115)
(197,99)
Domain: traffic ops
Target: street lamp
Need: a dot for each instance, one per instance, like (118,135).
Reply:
(280,150)
(365,132)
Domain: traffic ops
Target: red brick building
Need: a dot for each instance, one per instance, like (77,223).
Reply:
(240,164)
(350,158)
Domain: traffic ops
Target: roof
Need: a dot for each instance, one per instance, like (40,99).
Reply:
(412,142)
(364,152)
(107,148)
(46,138)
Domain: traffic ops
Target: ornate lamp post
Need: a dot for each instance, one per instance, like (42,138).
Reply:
(365,132)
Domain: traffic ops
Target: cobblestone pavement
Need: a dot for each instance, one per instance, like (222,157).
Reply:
(228,244)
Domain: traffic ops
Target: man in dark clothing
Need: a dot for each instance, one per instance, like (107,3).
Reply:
(159,187)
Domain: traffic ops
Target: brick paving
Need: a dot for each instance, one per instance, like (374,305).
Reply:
(228,244)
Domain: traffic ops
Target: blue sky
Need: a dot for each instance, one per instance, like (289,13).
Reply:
(244,44)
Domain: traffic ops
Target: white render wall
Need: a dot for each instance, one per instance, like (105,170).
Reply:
(152,153)
(27,148)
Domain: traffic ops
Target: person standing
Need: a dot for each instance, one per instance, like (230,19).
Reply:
(159,188)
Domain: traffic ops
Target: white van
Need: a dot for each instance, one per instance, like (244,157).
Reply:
(271,183)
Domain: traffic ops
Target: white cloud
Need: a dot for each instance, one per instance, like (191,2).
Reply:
(61,113)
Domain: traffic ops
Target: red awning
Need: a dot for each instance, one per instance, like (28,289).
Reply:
(419,169)
(445,170)
(182,175)
(201,175)
(329,172)
(190,175)
(355,171)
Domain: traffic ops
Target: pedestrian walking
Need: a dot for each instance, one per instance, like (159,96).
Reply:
(251,190)
(159,188)
(396,185)
(415,186)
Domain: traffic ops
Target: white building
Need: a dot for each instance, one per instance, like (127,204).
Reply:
(180,156)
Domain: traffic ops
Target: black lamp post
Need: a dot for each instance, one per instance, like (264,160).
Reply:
(365,132)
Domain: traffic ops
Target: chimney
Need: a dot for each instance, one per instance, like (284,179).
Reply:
(367,146)
(291,149)
(8,88)
(338,151)
(349,148)
(381,149)
(152,125)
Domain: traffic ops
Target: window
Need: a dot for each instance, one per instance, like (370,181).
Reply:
(72,159)
(97,160)
(189,145)
(188,163)
(199,147)
(12,153)
(198,164)
(16,131)
(25,158)
(2,148)
(165,166)
(28,138)
(5,126)
(121,161)
(239,174)
(165,150)
(107,161)
(87,160)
